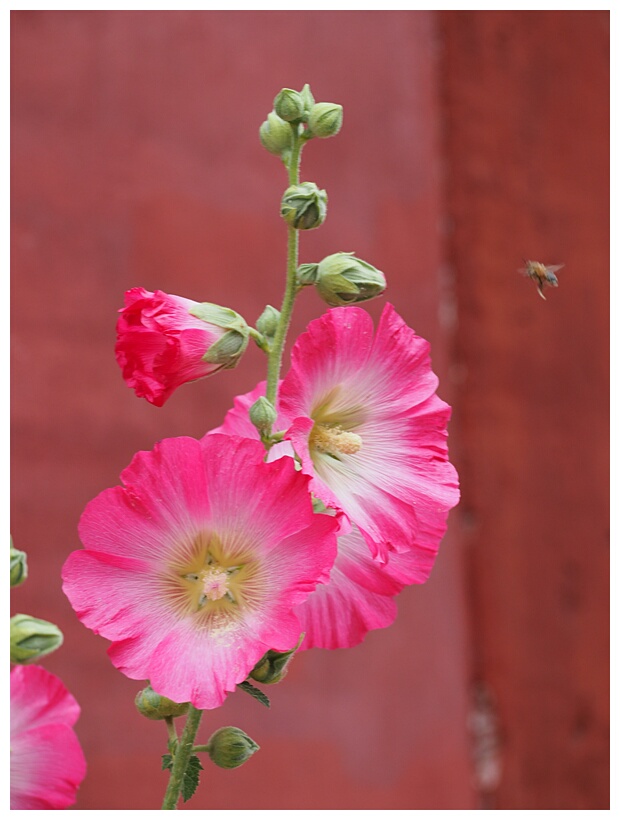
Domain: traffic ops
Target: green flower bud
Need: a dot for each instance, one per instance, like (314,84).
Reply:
(32,638)
(304,206)
(325,119)
(342,280)
(156,707)
(308,101)
(230,747)
(276,135)
(263,415)
(230,344)
(273,666)
(267,322)
(19,566)
(289,105)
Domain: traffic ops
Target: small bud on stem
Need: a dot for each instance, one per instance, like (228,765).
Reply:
(155,707)
(19,566)
(304,206)
(32,638)
(230,747)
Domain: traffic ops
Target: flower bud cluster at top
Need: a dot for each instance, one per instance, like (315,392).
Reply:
(295,114)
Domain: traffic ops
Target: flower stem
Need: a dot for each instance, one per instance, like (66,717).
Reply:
(181,758)
(275,356)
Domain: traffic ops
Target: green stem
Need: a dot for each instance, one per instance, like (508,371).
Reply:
(181,758)
(292,260)
(172,735)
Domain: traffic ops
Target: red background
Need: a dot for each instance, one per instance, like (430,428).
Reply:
(470,141)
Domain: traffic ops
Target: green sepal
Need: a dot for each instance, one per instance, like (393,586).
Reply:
(227,350)
(306,274)
(267,322)
(261,697)
(217,315)
(308,101)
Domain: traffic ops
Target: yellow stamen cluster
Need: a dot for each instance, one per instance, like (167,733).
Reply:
(334,441)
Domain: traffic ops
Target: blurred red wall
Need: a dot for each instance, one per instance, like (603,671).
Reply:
(470,140)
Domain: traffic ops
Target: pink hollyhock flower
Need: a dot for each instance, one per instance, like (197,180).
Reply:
(47,762)
(161,342)
(370,430)
(359,594)
(194,567)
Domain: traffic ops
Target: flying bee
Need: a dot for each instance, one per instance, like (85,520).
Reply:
(541,274)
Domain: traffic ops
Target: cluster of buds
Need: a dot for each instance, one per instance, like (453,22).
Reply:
(295,113)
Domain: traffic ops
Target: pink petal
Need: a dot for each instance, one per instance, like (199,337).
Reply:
(356,599)
(47,762)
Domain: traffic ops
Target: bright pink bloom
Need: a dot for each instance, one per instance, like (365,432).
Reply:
(194,567)
(160,345)
(370,430)
(47,762)
(359,594)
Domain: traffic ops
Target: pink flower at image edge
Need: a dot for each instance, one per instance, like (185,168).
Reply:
(47,762)
(160,345)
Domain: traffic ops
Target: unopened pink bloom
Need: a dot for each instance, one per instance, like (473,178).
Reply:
(47,762)
(371,431)
(160,345)
(193,568)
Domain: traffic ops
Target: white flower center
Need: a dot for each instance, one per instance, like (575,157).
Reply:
(214,581)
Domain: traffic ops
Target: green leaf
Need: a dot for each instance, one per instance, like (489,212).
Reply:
(190,780)
(256,693)
(192,775)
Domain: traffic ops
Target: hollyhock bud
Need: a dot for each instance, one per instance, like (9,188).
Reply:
(304,206)
(308,101)
(276,135)
(267,322)
(19,566)
(263,415)
(341,279)
(164,341)
(230,747)
(325,119)
(155,707)
(289,105)
(273,666)
(32,638)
